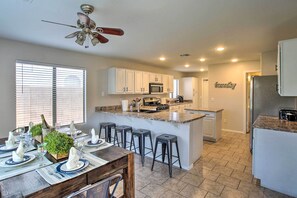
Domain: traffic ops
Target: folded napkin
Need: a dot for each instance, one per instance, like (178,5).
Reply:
(73,159)
(95,138)
(11,140)
(18,155)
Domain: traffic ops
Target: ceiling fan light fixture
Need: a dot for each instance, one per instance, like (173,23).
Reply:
(94,41)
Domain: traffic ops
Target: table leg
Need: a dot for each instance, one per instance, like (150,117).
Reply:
(129,178)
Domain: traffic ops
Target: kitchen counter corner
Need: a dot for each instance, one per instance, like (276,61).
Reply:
(274,123)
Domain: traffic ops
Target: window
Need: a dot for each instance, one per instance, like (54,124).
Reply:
(55,91)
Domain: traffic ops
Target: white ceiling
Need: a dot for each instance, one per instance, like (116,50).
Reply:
(155,28)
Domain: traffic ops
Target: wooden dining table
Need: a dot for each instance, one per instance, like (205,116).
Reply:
(31,184)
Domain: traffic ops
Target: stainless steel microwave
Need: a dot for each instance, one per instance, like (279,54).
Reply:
(156,88)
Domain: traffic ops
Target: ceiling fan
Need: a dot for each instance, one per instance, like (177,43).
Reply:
(87,28)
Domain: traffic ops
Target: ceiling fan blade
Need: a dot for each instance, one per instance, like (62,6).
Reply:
(113,31)
(84,18)
(73,26)
(72,35)
(101,38)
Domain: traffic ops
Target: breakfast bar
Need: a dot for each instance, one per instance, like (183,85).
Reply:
(187,128)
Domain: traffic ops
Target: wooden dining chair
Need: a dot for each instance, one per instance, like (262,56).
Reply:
(100,189)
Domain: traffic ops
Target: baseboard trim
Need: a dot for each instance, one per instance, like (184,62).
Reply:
(233,131)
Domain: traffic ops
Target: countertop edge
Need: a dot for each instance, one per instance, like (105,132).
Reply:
(156,119)
(208,110)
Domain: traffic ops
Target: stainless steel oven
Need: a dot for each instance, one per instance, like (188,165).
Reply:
(156,88)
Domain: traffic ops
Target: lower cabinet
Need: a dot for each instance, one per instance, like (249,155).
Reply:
(212,124)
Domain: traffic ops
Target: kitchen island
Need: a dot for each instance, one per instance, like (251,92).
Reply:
(274,154)
(212,123)
(187,127)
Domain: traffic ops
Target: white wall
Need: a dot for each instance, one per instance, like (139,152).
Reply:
(268,62)
(96,67)
(232,101)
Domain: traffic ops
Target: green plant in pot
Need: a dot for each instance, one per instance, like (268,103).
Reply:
(36,130)
(58,144)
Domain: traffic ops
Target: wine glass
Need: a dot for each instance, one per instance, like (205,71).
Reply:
(80,146)
(41,149)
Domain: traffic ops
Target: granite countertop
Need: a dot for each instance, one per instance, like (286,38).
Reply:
(205,109)
(167,116)
(274,123)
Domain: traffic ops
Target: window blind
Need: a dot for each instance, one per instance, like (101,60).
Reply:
(57,92)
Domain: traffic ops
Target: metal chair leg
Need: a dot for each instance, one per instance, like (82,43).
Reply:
(178,154)
(154,158)
(169,161)
(163,151)
(170,157)
(151,143)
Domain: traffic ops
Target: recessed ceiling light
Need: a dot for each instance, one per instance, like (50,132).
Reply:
(219,49)
(187,65)
(162,58)
(202,70)
(202,59)
(234,60)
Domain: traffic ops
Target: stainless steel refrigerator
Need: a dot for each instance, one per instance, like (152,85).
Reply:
(265,100)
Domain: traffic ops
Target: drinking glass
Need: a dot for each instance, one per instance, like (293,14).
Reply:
(41,149)
(80,146)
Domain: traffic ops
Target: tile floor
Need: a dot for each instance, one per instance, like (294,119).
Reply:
(224,170)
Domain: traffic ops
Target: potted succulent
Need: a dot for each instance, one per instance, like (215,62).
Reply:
(36,131)
(58,144)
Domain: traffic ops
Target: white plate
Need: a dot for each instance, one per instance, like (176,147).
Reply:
(4,148)
(2,163)
(76,132)
(95,145)
(78,166)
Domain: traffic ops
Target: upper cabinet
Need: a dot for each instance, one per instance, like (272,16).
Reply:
(167,81)
(120,81)
(155,78)
(141,82)
(287,67)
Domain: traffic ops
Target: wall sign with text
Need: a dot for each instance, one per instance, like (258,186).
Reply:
(228,85)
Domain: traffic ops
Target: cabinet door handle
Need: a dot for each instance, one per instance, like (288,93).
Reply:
(276,68)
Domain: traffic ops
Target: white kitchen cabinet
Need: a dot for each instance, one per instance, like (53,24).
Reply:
(155,78)
(275,159)
(141,82)
(190,89)
(120,81)
(167,81)
(286,67)
(212,124)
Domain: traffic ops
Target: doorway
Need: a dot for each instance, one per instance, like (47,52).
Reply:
(248,77)
(204,93)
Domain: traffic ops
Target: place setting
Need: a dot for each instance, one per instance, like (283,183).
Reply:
(19,162)
(95,143)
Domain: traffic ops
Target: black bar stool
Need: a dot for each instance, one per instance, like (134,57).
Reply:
(141,134)
(107,126)
(167,140)
(123,129)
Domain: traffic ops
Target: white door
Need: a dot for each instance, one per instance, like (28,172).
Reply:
(145,82)
(120,80)
(129,81)
(204,93)
(138,82)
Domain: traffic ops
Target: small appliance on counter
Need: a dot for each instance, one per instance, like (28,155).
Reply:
(288,114)
(153,104)
(180,98)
